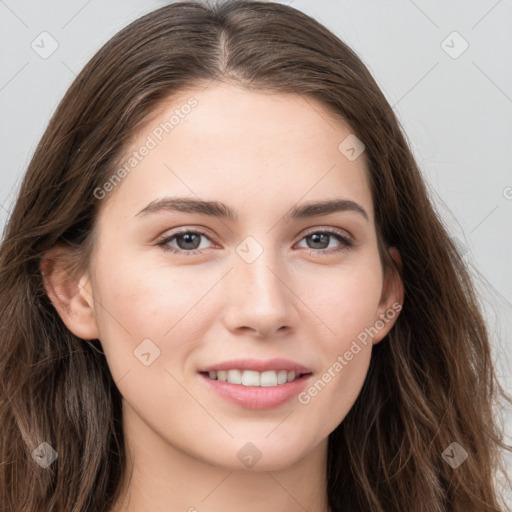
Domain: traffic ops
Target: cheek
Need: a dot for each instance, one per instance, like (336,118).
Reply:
(346,300)
(348,307)
(345,353)
(137,304)
(148,327)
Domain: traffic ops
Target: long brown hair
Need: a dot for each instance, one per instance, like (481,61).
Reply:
(431,382)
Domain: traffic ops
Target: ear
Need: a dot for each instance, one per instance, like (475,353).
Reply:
(70,294)
(392,298)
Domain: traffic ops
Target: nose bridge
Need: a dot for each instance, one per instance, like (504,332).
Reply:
(256,267)
(259,297)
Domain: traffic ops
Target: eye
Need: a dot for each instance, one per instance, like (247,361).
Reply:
(320,237)
(189,241)
(186,239)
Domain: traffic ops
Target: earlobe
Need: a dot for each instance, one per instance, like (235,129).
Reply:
(391,299)
(71,296)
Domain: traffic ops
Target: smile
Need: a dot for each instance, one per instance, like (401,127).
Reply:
(254,390)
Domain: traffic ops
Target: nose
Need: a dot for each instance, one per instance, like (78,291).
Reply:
(260,299)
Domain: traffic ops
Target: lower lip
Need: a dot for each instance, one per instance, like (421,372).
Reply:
(257,397)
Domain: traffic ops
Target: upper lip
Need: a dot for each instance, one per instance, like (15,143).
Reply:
(257,365)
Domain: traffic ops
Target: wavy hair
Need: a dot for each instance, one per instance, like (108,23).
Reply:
(431,381)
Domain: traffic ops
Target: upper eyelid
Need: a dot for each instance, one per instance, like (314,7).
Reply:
(337,231)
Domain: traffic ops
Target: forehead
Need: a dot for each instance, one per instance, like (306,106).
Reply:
(242,147)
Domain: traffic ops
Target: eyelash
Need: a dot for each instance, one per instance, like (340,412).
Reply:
(347,243)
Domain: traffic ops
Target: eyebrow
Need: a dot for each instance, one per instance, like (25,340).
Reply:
(221,210)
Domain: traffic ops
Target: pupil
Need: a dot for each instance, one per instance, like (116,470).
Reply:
(187,238)
(316,238)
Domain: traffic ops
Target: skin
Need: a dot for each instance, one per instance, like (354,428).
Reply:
(261,153)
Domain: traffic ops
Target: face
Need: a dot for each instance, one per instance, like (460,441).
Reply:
(280,300)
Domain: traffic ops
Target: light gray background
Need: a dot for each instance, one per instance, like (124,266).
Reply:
(455,109)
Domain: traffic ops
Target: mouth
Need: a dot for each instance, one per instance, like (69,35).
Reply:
(253,378)
(256,384)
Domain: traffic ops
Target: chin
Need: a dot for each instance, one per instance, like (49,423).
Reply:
(260,452)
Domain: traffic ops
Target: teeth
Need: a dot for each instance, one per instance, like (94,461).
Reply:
(234,376)
(268,379)
(282,377)
(250,378)
(253,378)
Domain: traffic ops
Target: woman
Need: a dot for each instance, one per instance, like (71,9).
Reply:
(224,287)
